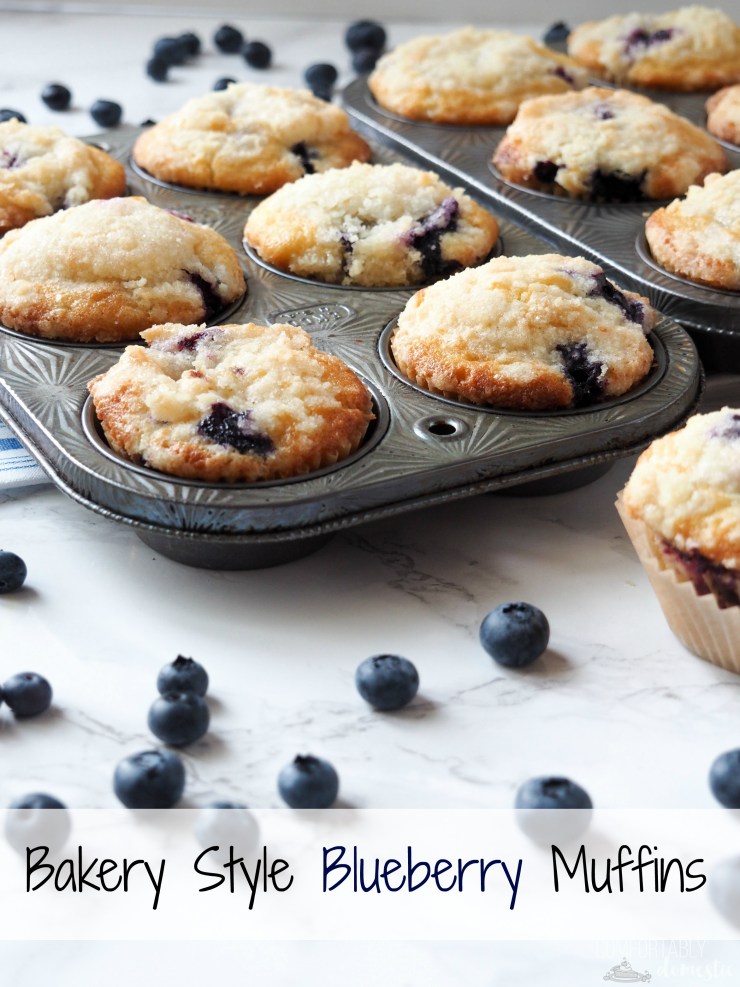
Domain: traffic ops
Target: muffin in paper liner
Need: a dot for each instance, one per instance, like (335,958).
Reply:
(711,632)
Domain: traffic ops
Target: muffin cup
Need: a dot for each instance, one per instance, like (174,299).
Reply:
(697,621)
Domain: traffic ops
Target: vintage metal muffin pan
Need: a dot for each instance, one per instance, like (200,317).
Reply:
(610,234)
(421,449)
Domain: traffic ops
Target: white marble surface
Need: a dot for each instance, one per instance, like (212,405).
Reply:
(616,702)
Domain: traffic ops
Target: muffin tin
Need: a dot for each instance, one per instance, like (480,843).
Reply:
(611,234)
(421,449)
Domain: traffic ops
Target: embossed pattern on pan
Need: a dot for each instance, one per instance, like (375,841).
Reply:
(415,457)
(606,233)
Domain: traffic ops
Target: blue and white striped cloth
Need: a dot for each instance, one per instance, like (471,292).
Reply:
(18,468)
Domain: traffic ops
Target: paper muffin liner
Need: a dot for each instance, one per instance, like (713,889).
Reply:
(697,621)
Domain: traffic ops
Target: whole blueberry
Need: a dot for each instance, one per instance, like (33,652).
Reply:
(183,675)
(364,60)
(56,96)
(326,94)
(515,634)
(27,694)
(321,75)
(387,681)
(558,31)
(13,572)
(224,83)
(28,823)
(157,69)
(191,43)
(228,39)
(174,51)
(257,54)
(539,806)
(106,113)
(226,824)
(724,779)
(6,114)
(308,783)
(149,780)
(365,34)
(179,718)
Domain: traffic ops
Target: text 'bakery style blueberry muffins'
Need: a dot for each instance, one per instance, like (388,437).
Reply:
(43,170)
(249,139)
(606,145)
(698,237)
(106,270)
(530,333)
(231,403)
(723,114)
(681,509)
(371,225)
(469,76)
(685,50)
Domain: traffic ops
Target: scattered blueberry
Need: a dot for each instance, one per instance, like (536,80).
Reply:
(326,94)
(257,54)
(558,31)
(191,42)
(147,123)
(724,889)
(183,675)
(534,805)
(6,114)
(724,779)
(387,681)
(321,76)
(13,572)
(56,96)
(308,783)
(173,51)
(225,824)
(364,60)
(228,39)
(179,718)
(515,634)
(28,823)
(157,69)
(223,83)
(106,113)
(27,694)
(149,780)
(365,34)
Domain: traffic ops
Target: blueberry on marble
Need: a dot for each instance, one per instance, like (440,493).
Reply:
(584,374)
(149,780)
(223,83)
(228,39)
(515,634)
(56,96)
(28,822)
(228,427)
(8,114)
(632,307)
(308,782)
(179,718)
(213,304)
(558,31)
(157,69)
(724,779)
(546,171)
(320,76)
(425,235)
(257,54)
(183,675)
(27,694)
(365,60)
(539,806)
(106,113)
(306,155)
(13,570)
(227,824)
(387,681)
(615,186)
(191,42)
(365,34)
(173,51)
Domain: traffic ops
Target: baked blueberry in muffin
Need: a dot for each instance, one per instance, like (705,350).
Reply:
(232,403)
(106,270)
(606,145)
(723,114)
(371,225)
(249,139)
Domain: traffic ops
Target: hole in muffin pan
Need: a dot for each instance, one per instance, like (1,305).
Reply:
(441,428)
(572,200)
(497,251)
(654,375)
(643,251)
(142,173)
(376,430)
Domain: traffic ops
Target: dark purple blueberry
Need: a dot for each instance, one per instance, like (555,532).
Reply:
(558,31)
(183,675)
(257,54)
(27,694)
(157,69)
(424,236)
(228,39)
(583,373)
(563,74)
(227,824)
(213,303)
(187,344)
(179,718)
(603,112)
(56,96)
(539,808)
(173,51)
(191,43)
(633,308)
(306,155)
(387,681)
(13,572)
(365,60)
(149,780)
(320,75)
(6,114)
(546,171)
(640,38)
(232,428)
(728,428)
(29,823)
(365,34)
(326,94)
(9,161)
(308,783)
(223,83)
(148,122)
(613,186)
(707,576)
(515,634)
(106,113)
(724,779)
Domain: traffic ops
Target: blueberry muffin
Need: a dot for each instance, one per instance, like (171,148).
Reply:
(723,114)
(249,139)
(371,225)
(686,50)
(106,270)
(531,333)
(43,170)
(233,403)
(469,76)
(606,145)
(681,507)
(698,237)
